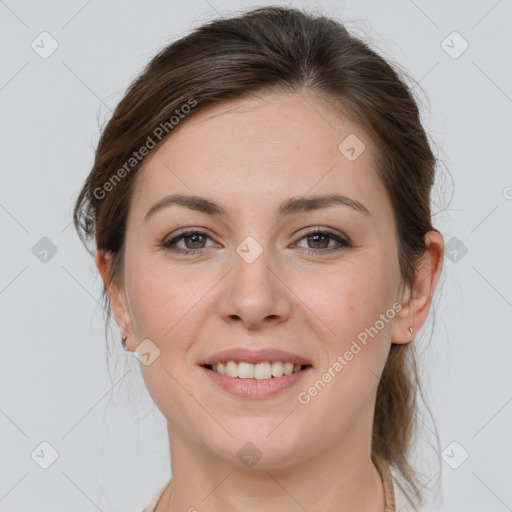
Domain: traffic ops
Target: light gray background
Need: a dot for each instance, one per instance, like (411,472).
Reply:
(55,384)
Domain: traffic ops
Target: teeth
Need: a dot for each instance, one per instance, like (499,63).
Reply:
(245,371)
(260,371)
(277,369)
(231,369)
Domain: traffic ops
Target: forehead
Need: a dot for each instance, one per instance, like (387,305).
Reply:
(248,151)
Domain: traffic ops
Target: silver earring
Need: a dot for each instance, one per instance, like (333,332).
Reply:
(123,341)
(411,329)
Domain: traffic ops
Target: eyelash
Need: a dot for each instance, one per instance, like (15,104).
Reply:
(343,243)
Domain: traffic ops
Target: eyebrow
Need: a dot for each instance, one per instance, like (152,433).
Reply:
(291,206)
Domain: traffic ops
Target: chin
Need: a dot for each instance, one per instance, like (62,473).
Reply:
(256,449)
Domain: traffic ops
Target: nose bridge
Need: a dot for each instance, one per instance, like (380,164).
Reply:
(251,266)
(253,293)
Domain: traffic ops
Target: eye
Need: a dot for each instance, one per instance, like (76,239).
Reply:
(194,242)
(320,239)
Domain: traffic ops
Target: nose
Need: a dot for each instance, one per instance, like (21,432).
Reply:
(254,294)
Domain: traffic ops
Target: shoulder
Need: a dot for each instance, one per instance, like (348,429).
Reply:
(402,503)
(152,505)
(430,502)
(395,498)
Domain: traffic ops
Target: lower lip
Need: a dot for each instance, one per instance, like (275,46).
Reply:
(254,388)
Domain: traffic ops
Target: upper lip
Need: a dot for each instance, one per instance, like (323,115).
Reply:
(255,356)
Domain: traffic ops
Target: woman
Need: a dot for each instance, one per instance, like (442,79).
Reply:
(260,205)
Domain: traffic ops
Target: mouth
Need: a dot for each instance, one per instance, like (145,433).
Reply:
(264,370)
(255,381)
(255,374)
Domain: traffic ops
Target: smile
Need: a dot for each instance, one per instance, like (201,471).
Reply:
(260,371)
(255,381)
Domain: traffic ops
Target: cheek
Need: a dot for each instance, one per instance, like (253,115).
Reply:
(353,308)
(357,308)
(348,301)
(156,299)
(164,305)
(165,300)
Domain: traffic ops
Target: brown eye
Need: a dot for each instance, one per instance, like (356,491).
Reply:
(318,240)
(194,241)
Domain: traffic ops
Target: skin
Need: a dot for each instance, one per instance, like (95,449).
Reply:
(250,155)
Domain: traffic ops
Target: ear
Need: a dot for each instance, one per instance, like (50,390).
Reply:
(116,296)
(416,300)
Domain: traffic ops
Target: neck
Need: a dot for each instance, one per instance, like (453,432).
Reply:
(342,478)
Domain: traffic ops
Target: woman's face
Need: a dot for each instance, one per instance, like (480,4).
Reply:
(257,279)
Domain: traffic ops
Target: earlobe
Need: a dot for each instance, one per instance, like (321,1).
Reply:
(115,294)
(404,326)
(416,308)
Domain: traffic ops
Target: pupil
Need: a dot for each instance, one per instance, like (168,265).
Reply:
(318,236)
(194,236)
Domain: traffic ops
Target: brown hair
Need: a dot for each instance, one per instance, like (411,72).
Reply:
(289,50)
